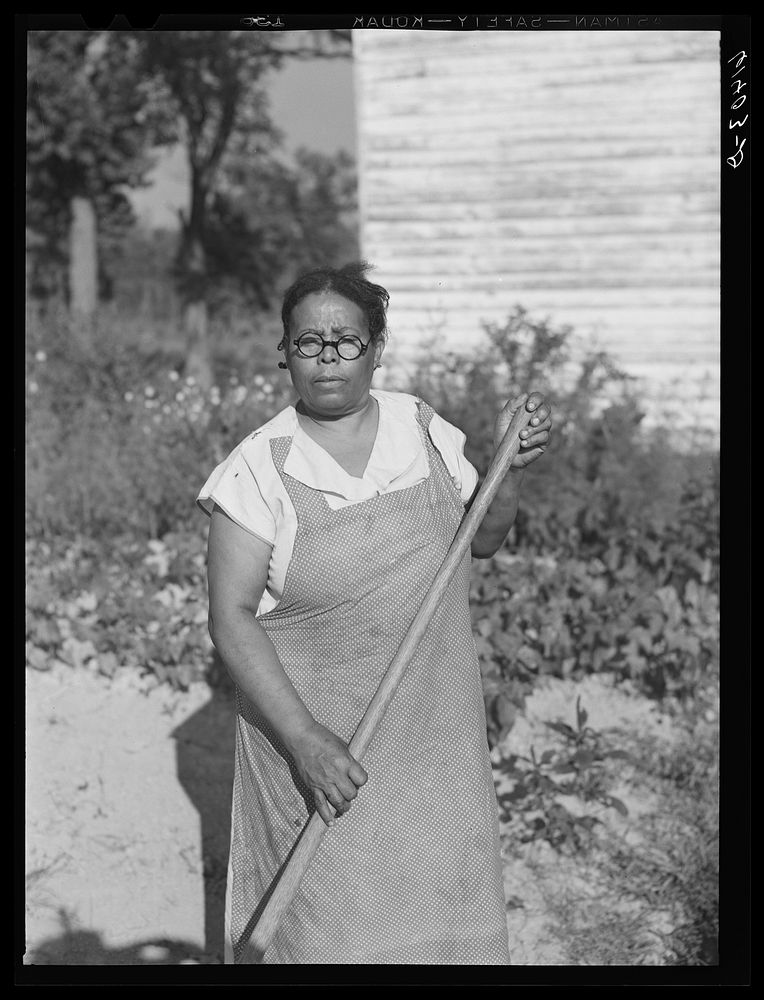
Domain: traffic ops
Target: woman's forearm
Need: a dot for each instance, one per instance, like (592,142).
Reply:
(251,659)
(499,517)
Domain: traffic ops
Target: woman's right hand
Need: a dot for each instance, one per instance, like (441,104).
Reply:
(328,768)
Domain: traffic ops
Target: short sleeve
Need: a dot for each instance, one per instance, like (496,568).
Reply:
(234,487)
(450,441)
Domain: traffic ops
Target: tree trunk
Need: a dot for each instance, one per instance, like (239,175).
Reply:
(83,264)
(198,353)
(193,285)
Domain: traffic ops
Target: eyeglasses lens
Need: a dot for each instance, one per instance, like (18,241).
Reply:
(348,348)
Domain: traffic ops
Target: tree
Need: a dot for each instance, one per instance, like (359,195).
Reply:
(213,80)
(272,219)
(90,122)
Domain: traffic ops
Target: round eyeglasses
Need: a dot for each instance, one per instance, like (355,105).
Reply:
(349,347)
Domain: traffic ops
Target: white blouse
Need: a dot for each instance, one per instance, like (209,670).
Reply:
(248,487)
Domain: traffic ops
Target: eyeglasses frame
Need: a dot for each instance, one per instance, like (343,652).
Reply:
(329,343)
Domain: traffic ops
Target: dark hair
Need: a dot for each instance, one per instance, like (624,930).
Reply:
(348,281)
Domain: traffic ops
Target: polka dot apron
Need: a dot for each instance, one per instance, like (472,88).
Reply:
(411,874)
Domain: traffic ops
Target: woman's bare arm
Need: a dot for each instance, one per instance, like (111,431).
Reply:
(237,572)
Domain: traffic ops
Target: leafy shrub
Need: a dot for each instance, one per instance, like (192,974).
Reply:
(128,605)
(603,476)
(118,441)
(572,617)
(616,539)
(533,808)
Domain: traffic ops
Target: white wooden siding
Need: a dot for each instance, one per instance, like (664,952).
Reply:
(574,174)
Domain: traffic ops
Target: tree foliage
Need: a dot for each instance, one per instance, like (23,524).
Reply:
(274,219)
(91,121)
(215,82)
(101,102)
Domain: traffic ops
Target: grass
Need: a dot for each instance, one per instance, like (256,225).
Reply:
(646,893)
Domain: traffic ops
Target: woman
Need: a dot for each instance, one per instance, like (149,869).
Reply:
(328,525)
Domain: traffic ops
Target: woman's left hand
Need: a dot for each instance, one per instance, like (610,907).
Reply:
(533,438)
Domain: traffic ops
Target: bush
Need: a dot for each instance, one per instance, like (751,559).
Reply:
(125,605)
(572,617)
(603,476)
(118,441)
(615,546)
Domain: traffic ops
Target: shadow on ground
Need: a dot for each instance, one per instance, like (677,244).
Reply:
(204,753)
(80,947)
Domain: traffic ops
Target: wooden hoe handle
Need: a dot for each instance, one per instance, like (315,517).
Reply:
(292,872)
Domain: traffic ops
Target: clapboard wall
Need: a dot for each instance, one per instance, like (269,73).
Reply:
(575,174)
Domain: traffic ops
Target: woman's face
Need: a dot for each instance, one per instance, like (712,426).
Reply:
(327,384)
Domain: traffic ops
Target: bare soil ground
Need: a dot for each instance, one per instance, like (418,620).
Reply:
(127,809)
